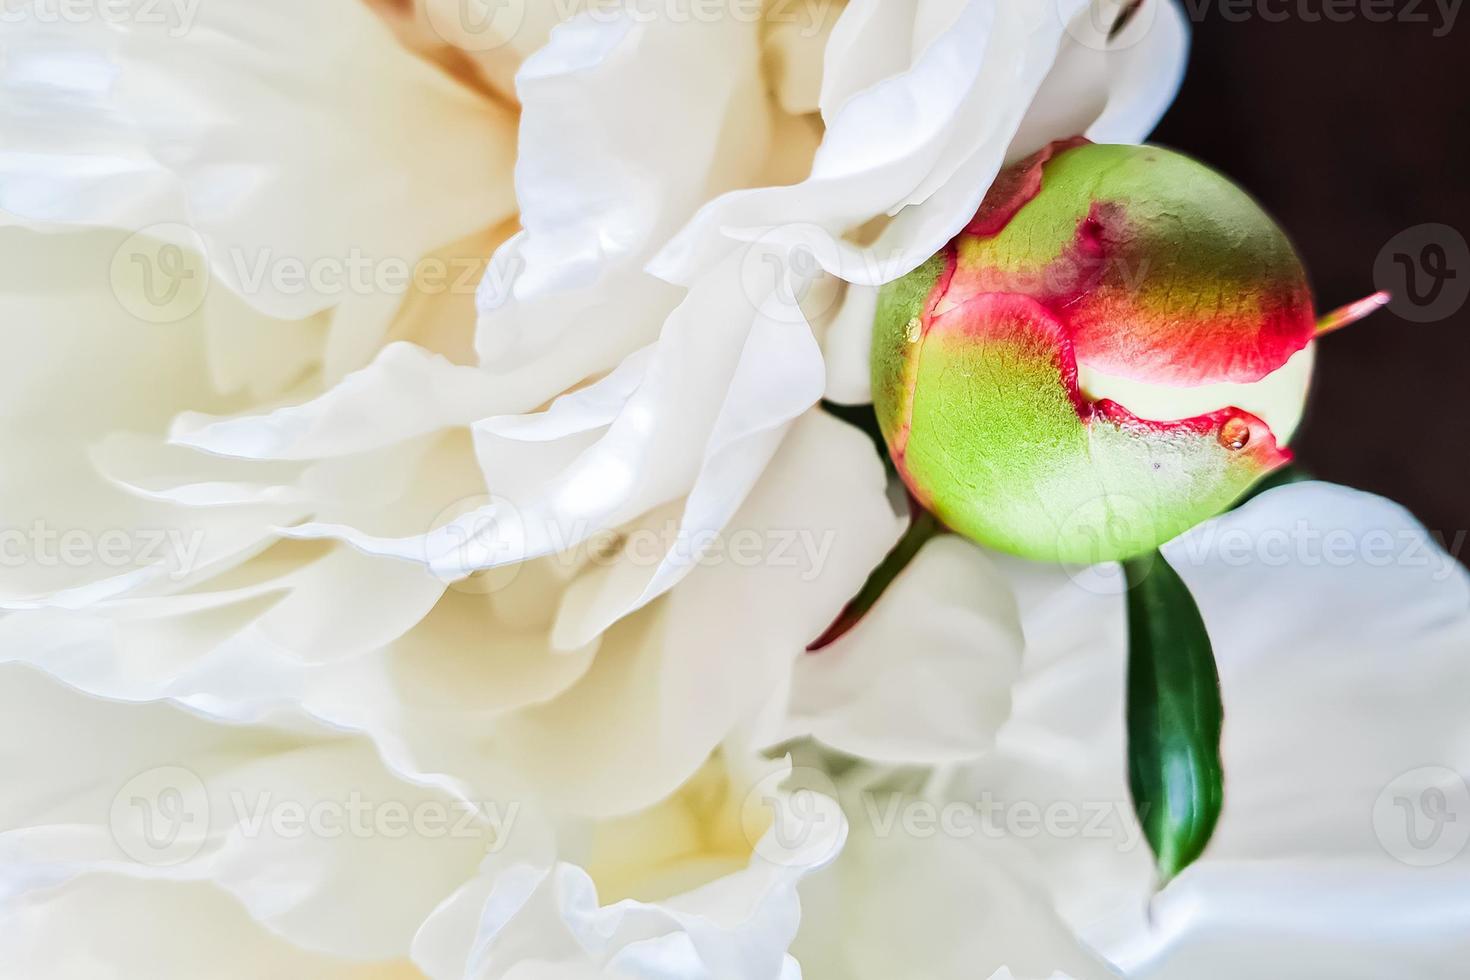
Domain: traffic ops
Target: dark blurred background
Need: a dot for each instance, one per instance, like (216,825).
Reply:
(1356,135)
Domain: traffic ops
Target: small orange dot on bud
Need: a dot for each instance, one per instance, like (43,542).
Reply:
(1235,434)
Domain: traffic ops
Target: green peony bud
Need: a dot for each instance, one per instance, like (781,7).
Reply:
(1115,348)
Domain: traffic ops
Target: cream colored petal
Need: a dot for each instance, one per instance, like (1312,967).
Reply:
(1113,91)
(796,36)
(544,920)
(434,699)
(665,687)
(560,476)
(306,138)
(406,392)
(846,345)
(613,159)
(920,143)
(751,425)
(885,141)
(112,926)
(907,898)
(83,357)
(926,676)
(316,839)
(871,40)
(483,40)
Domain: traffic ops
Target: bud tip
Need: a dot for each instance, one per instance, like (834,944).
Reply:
(1351,313)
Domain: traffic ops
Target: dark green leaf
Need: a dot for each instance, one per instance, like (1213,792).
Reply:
(1174,716)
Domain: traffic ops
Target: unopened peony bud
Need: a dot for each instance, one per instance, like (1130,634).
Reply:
(1114,349)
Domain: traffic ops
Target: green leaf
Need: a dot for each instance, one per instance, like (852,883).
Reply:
(1174,716)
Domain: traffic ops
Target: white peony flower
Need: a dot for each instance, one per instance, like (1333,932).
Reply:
(694,422)
(413,416)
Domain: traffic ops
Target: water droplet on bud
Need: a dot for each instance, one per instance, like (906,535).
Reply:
(912,329)
(1235,433)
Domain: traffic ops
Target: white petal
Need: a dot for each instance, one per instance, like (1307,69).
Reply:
(663,429)
(152,468)
(432,699)
(923,143)
(612,160)
(1148,69)
(550,920)
(665,688)
(846,346)
(488,39)
(81,359)
(772,384)
(1029,40)
(871,40)
(894,143)
(111,926)
(306,135)
(794,44)
(349,603)
(325,879)
(925,676)
(1111,91)
(1339,628)
(406,391)
(909,897)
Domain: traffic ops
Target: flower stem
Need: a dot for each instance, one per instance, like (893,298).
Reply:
(922,526)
